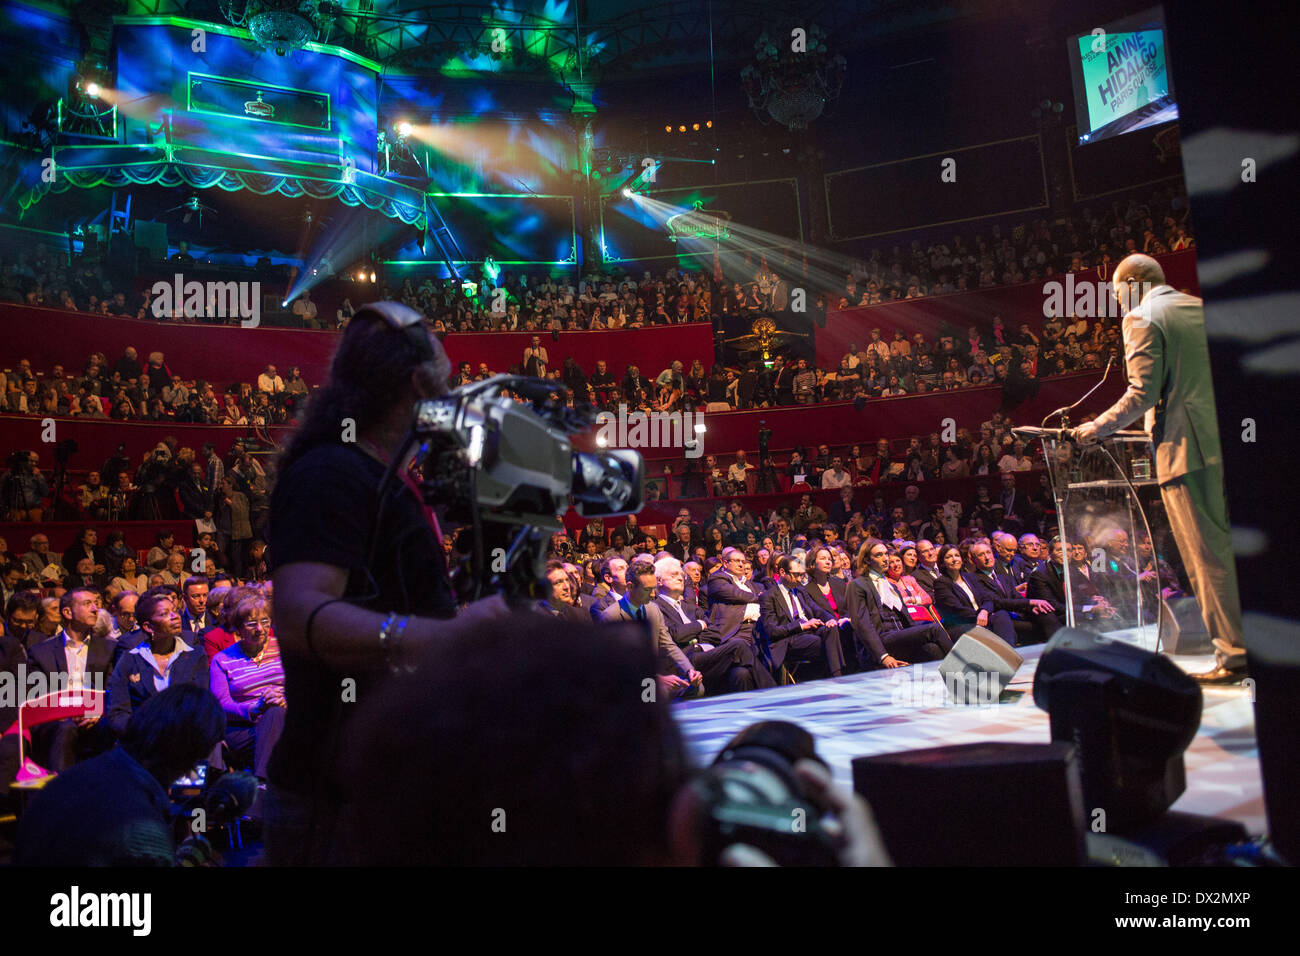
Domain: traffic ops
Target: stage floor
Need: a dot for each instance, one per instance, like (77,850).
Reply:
(888,711)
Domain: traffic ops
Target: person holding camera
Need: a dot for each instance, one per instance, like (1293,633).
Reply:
(23,488)
(357,594)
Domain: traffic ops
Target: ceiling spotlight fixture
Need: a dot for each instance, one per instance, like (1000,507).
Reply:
(93,90)
(695,127)
(668,128)
(372,277)
(709,124)
(403,128)
(682,128)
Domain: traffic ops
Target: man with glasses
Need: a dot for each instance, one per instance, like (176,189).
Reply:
(734,608)
(122,607)
(39,557)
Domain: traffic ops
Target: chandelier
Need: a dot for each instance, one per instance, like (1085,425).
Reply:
(279,25)
(790,85)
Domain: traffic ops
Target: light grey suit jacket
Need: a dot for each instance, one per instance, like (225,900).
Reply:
(666,649)
(1169,383)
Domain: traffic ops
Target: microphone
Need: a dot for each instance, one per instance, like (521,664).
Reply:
(1110,362)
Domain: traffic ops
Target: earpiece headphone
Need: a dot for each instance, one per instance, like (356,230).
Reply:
(405,319)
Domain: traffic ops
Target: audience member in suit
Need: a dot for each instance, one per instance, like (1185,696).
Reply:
(927,570)
(695,592)
(77,656)
(880,620)
(1007,560)
(998,592)
(682,543)
(1032,553)
(828,596)
(956,596)
(733,602)
(1048,584)
(727,664)
(612,586)
(195,619)
(677,677)
(793,635)
(162,661)
(559,603)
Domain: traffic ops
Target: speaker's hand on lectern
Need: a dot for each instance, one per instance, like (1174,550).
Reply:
(1086,434)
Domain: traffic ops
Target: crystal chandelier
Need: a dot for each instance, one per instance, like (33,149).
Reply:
(279,25)
(790,85)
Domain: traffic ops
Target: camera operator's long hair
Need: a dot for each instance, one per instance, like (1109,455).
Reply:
(371,369)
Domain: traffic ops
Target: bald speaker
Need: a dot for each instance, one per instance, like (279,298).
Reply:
(979,667)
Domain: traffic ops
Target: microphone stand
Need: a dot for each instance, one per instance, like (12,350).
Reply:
(1064,411)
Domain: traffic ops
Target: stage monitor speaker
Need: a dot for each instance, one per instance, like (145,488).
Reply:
(985,804)
(152,237)
(979,667)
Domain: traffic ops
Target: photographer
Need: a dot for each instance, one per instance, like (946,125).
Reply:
(127,823)
(23,489)
(360,583)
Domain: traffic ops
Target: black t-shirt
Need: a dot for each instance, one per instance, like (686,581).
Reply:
(323,511)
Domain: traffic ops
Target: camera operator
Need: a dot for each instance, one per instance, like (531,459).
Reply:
(360,583)
(23,489)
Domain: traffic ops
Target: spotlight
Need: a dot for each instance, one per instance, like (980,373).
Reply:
(372,277)
(682,128)
(602,441)
(709,124)
(695,127)
(627,193)
(361,276)
(668,129)
(92,90)
(403,128)
(284,304)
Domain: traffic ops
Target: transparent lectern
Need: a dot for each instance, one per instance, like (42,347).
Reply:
(1119,576)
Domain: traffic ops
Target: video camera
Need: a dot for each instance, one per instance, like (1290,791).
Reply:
(508,471)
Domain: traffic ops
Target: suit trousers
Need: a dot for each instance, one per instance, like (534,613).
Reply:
(1198,515)
(920,642)
(731,665)
(821,645)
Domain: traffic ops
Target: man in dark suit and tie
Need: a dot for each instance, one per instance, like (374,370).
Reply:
(725,664)
(1048,584)
(733,602)
(997,592)
(1170,388)
(927,568)
(792,634)
(74,657)
(163,660)
(734,608)
(195,620)
(677,677)
(612,586)
(879,615)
